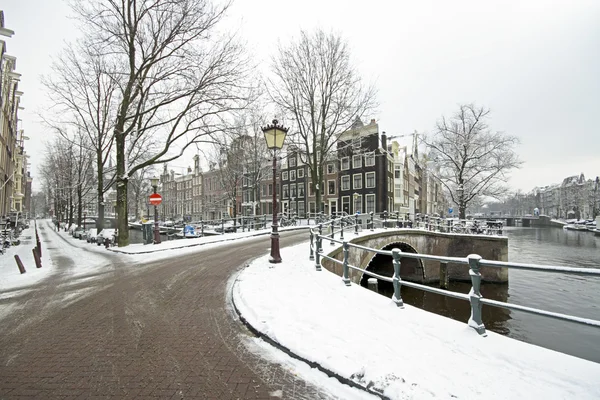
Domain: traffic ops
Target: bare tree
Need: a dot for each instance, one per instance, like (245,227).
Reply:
(473,161)
(66,170)
(84,98)
(316,84)
(177,79)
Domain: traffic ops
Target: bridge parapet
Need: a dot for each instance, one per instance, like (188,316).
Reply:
(428,242)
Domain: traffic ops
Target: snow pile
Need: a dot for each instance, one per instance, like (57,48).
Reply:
(403,353)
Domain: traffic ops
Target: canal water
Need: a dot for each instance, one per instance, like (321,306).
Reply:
(574,295)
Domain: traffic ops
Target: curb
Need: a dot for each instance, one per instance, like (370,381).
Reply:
(290,353)
(116,250)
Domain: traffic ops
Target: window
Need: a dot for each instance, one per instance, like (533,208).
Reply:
(301,190)
(346,182)
(356,143)
(370,203)
(330,187)
(345,163)
(356,162)
(311,207)
(284,176)
(370,179)
(346,204)
(397,172)
(293,175)
(331,168)
(285,191)
(357,203)
(370,159)
(292,161)
(293,191)
(301,173)
(357,181)
(311,189)
(301,208)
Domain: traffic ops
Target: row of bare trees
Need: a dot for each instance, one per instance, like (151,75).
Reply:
(149,79)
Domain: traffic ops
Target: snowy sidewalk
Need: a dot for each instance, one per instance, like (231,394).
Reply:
(403,353)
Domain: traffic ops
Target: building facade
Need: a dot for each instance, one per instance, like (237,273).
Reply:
(14,177)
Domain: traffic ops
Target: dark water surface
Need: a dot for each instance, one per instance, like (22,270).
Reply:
(574,295)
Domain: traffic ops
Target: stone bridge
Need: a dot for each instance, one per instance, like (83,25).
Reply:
(423,242)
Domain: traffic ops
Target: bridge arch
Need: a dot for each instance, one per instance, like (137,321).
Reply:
(411,269)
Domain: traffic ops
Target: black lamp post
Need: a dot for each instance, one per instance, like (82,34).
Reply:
(154,183)
(274,136)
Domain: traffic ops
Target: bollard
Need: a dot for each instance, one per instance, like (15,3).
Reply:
(444,275)
(356,224)
(397,281)
(371,220)
(20,263)
(202,227)
(397,220)
(345,278)
(373,285)
(222,226)
(475,321)
(38,260)
(385,219)
(264,221)
(342,230)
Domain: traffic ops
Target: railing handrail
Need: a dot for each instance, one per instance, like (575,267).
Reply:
(475,262)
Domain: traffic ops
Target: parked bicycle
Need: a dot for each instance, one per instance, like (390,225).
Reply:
(288,221)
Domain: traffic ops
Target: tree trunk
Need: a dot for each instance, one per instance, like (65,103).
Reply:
(122,226)
(462,211)
(79,205)
(100,189)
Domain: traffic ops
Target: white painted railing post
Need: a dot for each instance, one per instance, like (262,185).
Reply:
(396,254)
(318,249)
(475,321)
(346,278)
(332,232)
(312,243)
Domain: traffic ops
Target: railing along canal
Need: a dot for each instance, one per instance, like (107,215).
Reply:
(473,261)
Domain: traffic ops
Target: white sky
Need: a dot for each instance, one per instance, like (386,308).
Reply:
(534,63)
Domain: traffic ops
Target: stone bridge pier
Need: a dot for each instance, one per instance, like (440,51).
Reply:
(423,242)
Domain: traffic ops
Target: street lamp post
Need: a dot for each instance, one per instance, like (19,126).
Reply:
(274,136)
(154,183)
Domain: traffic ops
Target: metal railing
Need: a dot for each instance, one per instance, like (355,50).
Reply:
(473,261)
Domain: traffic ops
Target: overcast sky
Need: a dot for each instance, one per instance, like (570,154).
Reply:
(535,64)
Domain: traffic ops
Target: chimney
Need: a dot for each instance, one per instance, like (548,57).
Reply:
(372,121)
(383,139)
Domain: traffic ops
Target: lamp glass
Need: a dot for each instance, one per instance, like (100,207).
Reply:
(275,138)
(154,181)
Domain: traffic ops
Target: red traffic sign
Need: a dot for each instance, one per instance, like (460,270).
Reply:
(155,199)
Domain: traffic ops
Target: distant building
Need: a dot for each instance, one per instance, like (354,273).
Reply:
(365,170)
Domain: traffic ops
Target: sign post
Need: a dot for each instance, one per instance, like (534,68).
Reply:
(155,199)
